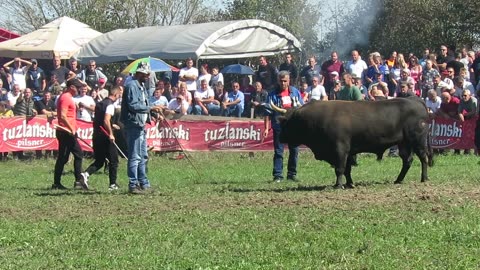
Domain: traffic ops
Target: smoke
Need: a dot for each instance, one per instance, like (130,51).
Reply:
(345,25)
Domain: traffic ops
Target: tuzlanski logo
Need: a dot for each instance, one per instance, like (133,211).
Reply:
(445,130)
(169,133)
(28,131)
(230,133)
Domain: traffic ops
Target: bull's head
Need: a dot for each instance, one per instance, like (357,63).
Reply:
(288,130)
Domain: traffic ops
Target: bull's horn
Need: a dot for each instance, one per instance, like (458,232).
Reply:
(277,109)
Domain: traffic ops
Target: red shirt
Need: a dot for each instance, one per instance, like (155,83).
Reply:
(66,101)
(286,100)
(450,108)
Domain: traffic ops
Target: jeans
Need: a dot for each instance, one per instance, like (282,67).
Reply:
(278,157)
(137,157)
(67,144)
(213,109)
(233,111)
(104,148)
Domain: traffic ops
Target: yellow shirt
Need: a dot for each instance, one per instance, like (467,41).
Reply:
(6,113)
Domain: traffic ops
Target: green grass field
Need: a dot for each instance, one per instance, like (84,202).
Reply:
(233,217)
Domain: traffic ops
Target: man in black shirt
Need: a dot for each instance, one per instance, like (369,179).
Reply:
(104,139)
(63,74)
(289,66)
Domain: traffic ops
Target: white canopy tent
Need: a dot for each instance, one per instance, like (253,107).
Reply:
(63,36)
(215,40)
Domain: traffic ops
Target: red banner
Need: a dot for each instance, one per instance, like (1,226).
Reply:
(38,133)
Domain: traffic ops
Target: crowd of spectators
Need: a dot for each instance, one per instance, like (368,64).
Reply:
(447,80)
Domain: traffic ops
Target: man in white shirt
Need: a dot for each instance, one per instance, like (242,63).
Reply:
(18,71)
(317,91)
(189,75)
(356,66)
(204,98)
(177,105)
(85,105)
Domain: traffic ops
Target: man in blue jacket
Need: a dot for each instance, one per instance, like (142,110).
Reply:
(134,115)
(286,97)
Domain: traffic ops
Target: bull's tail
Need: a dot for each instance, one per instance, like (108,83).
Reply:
(429,150)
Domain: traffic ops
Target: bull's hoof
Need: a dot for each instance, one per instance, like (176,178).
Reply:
(338,186)
(424,180)
(397,182)
(349,186)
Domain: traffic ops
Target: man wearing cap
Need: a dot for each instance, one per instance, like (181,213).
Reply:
(36,78)
(66,134)
(18,71)
(134,115)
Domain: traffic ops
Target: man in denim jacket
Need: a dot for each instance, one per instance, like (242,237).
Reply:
(286,97)
(134,115)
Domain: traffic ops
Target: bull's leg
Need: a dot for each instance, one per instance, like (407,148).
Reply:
(348,171)
(405,152)
(421,153)
(340,168)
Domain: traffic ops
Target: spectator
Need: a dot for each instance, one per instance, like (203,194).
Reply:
(449,106)
(468,107)
(356,66)
(394,74)
(167,92)
(85,104)
(289,66)
(13,95)
(204,75)
(304,92)
(349,91)
(428,75)
(204,101)
(54,87)
(234,103)
(189,75)
(391,60)
(447,77)
(62,74)
(456,64)
(182,90)
(286,97)
(18,72)
(91,75)
(5,78)
(216,77)
(405,78)
(443,58)
(178,105)
(404,91)
(423,60)
(328,67)
(433,102)
(311,70)
(416,73)
(36,78)
(460,84)
(378,91)
(266,73)
(5,112)
(317,91)
(3,93)
(159,100)
(74,66)
(46,105)
(258,99)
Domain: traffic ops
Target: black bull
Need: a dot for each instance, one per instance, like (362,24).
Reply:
(337,130)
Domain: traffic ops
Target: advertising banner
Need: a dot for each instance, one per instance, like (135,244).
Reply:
(38,133)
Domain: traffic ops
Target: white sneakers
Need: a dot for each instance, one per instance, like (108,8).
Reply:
(84,180)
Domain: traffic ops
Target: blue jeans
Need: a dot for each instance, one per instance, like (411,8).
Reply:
(278,157)
(234,111)
(137,157)
(213,109)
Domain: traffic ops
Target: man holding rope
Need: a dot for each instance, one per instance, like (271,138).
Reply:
(134,115)
(66,134)
(103,140)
